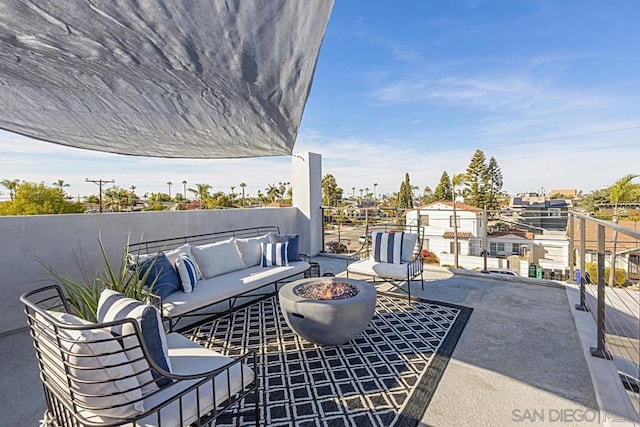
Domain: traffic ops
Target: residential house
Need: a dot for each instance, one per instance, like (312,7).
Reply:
(548,215)
(438,221)
(627,248)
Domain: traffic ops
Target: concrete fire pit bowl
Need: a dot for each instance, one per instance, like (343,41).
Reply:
(328,321)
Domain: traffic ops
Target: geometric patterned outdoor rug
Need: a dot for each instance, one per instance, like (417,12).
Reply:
(386,376)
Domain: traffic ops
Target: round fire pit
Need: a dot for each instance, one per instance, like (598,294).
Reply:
(327,310)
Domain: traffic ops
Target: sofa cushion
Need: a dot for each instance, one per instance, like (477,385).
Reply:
(218,258)
(251,249)
(187,271)
(160,269)
(115,306)
(387,247)
(274,254)
(293,250)
(222,287)
(104,375)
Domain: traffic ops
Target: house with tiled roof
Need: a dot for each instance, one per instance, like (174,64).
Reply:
(627,248)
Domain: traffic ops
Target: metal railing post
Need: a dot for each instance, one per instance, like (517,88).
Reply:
(572,250)
(583,273)
(485,238)
(600,351)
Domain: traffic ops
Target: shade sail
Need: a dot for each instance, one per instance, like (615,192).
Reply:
(174,78)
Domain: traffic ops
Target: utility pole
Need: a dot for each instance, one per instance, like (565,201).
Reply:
(99,183)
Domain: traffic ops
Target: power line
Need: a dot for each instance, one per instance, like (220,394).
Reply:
(99,183)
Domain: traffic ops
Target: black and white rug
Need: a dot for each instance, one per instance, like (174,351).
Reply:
(386,376)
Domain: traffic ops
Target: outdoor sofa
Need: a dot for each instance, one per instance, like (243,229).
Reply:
(230,270)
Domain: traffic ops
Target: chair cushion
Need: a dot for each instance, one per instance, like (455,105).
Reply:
(409,241)
(218,258)
(274,254)
(388,270)
(187,271)
(293,250)
(160,269)
(251,249)
(115,306)
(387,247)
(104,376)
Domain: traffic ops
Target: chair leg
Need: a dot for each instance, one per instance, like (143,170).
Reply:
(409,289)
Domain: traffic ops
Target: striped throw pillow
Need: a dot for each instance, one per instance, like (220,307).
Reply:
(114,306)
(274,254)
(387,247)
(188,272)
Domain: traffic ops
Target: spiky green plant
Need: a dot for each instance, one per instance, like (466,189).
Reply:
(128,279)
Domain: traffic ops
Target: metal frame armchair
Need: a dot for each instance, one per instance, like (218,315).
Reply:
(89,379)
(362,263)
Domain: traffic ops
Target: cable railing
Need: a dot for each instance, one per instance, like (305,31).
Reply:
(562,246)
(615,309)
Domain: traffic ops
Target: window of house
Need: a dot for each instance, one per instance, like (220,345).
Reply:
(634,264)
(515,249)
(452,248)
(495,247)
(555,212)
(424,220)
(457,221)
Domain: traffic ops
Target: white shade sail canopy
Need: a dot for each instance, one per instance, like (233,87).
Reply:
(173,78)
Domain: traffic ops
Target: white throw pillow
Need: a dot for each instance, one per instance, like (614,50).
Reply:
(103,378)
(173,254)
(218,258)
(408,245)
(251,249)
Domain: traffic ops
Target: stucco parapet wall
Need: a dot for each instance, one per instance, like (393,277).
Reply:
(507,278)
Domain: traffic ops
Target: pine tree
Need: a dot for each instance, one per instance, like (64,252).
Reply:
(494,184)
(405,195)
(443,190)
(475,193)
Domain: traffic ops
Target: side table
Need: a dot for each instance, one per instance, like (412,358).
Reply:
(313,271)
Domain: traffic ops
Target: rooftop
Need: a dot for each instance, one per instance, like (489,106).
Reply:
(522,354)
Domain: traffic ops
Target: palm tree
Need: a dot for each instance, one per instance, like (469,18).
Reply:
(11,185)
(232,195)
(60,184)
(243,185)
(184,189)
(169,184)
(621,191)
(201,191)
(133,195)
(375,184)
(353,192)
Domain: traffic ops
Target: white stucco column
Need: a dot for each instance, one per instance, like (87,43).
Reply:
(306,170)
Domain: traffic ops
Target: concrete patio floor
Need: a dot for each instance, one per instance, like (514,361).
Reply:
(519,361)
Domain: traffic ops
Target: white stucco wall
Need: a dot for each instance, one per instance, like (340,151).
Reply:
(69,243)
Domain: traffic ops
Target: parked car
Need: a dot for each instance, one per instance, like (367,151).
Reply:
(363,239)
(335,247)
(505,272)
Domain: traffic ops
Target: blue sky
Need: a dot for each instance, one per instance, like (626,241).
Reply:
(551,89)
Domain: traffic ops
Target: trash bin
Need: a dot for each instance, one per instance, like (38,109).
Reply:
(532,270)
(578,276)
(539,272)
